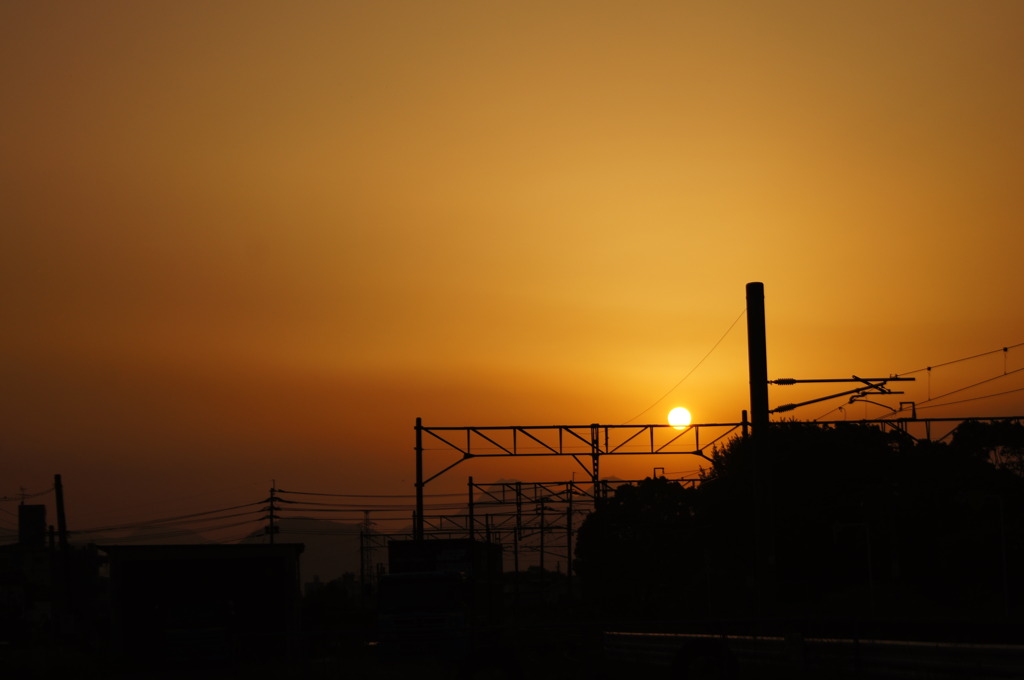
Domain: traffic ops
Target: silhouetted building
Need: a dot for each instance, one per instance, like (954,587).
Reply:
(26,593)
(204,603)
(32,525)
(441,595)
(26,580)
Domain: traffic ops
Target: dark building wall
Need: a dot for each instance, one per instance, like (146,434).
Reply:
(26,593)
(32,525)
(205,601)
(472,558)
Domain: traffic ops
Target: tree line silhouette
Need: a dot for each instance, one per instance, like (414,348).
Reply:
(840,525)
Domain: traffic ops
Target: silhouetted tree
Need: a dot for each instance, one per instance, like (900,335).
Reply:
(333,614)
(822,523)
(637,553)
(1001,442)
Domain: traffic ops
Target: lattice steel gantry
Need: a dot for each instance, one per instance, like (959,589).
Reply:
(577,442)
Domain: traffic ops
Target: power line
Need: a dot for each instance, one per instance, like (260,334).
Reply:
(404,510)
(175,500)
(302,505)
(351,495)
(22,497)
(183,525)
(925,404)
(178,532)
(167,520)
(378,508)
(957,361)
(237,538)
(980,382)
(987,396)
(922,404)
(696,366)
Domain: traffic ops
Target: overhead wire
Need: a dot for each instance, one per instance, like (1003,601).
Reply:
(967,387)
(691,371)
(957,361)
(353,495)
(257,514)
(359,506)
(322,532)
(380,509)
(168,520)
(926,403)
(961,401)
(24,496)
(237,538)
(135,538)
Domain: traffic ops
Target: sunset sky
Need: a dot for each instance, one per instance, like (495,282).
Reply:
(253,241)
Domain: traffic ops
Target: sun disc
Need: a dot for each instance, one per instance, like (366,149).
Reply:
(679,418)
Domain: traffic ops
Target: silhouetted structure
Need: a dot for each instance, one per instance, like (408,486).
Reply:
(867,525)
(32,525)
(204,603)
(440,595)
(757,353)
(27,591)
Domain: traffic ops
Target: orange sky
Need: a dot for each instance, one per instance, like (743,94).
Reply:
(247,241)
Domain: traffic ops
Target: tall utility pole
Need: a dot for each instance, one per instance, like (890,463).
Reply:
(65,594)
(62,523)
(417,524)
(271,527)
(757,352)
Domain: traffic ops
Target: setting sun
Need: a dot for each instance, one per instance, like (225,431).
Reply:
(679,418)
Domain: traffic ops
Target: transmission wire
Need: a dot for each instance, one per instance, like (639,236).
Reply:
(683,379)
(925,404)
(363,495)
(166,520)
(987,396)
(956,361)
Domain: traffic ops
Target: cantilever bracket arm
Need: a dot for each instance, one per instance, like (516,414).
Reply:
(854,379)
(871,386)
(858,397)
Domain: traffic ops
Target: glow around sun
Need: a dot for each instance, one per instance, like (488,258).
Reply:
(679,418)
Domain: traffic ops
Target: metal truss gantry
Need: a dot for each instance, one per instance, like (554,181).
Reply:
(533,521)
(580,442)
(537,521)
(577,442)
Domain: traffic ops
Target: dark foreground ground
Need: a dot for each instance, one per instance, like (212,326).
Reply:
(562,653)
(536,655)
